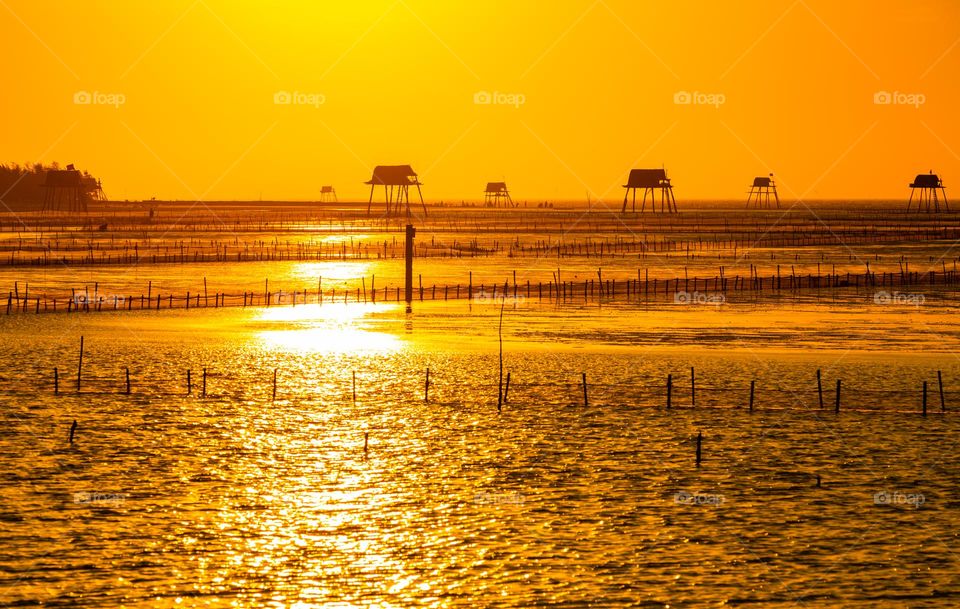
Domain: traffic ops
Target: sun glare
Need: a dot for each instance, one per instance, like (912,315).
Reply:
(331,328)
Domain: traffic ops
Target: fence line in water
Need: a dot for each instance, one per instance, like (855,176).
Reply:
(87,254)
(666,393)
(688,290)
(62,243)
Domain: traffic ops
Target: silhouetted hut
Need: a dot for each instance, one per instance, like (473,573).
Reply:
(328,194)
(396,181)
(928,185)
(64,190)
(650,180)
(497,193)
(760,192)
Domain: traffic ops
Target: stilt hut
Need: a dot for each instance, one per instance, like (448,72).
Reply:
(396,181)
(328,194)
(497,194)
(927,187)
(760,192)
(650,180)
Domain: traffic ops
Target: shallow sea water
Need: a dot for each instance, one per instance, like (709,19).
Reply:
(236,498)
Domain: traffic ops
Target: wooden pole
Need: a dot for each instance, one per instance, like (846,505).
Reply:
(73,429)
(943,404)
(56,381)
(80,364)
(189,383)
(204,394)
(426,388)
(408,260)
(752,384)
(500,336)
(583,378)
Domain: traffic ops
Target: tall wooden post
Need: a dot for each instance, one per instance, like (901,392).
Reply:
(943,404)
(408,258)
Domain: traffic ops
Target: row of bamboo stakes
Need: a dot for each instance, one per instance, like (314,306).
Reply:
(505,391)
(558,290)
(234,219)
(696,230)
(303,252)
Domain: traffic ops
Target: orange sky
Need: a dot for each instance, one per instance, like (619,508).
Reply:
(397,82)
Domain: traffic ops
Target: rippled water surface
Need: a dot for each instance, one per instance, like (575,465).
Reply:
(394,498)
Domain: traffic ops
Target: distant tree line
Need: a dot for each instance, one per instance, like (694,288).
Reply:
(21,186)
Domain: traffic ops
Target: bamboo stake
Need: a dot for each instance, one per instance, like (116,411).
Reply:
(500,335)
(943,404)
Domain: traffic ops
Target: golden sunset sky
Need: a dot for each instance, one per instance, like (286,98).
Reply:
(183,95)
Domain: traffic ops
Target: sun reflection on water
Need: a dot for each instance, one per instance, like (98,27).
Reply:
(336,271)
(330,328)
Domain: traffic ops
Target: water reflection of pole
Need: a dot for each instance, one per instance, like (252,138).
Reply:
(408,257)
